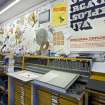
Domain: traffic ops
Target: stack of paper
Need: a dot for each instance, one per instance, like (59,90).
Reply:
(56,80)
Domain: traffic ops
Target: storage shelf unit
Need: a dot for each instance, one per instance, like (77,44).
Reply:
(72,65)
(49,97)
(20,93)
(42,65)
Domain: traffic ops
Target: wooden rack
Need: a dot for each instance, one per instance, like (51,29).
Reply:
(43,63)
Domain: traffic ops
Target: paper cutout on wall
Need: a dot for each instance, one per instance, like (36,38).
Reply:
(18,35)
(1,30)
(21,20)
(26,29)
(42,39)
(33,19)
(59,14)
(11,28)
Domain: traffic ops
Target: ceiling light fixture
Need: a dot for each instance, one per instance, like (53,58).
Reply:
(9,6)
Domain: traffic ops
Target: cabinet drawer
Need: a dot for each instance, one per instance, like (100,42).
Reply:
(66,102)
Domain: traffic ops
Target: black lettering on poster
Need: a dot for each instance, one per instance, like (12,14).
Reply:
(83,10)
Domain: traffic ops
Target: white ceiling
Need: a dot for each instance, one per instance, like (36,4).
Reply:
(19,8)
(4,3)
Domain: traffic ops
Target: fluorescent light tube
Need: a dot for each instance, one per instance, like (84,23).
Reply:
(9,6)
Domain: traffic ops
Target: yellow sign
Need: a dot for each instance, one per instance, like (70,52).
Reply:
(59,14)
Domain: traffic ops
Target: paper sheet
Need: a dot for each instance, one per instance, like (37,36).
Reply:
(99,67)
(49,77)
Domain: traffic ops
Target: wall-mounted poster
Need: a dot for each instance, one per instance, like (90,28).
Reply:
(87,25)
(59,14)
(87,43)
(58,38)
(58,42)
(87,17)
(44,16)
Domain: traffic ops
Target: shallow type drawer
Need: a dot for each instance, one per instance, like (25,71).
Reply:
(22,93)
(48,98)
(93,97)
(66,101)
(97,99)
(44,98)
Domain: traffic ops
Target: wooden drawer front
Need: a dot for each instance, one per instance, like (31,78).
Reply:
(49,98)
(22,93)
(44,98)
(27,95)
(63,101)
(97,99)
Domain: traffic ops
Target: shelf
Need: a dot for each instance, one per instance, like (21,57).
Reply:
(59,58)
